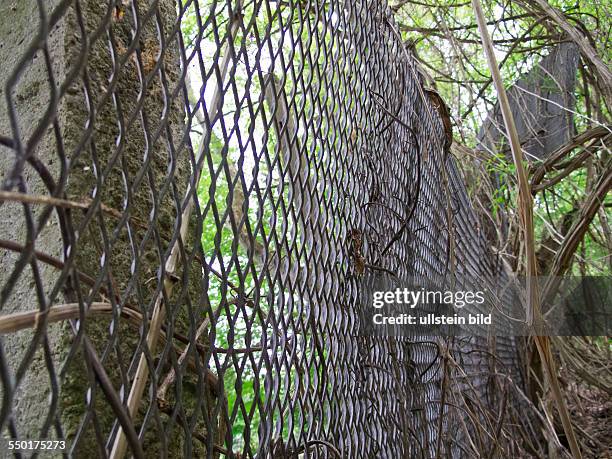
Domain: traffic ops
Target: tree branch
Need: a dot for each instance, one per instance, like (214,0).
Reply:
(586,139)
(570,243)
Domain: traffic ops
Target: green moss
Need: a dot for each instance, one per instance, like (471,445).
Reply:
(135,282)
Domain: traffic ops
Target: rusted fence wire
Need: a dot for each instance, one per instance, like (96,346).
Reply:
(192,192)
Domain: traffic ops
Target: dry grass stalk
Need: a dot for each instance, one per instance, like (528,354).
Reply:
(525,209)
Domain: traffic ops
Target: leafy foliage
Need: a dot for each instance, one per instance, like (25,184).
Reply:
(445,38)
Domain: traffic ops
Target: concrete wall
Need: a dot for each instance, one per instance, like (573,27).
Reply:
(30,97)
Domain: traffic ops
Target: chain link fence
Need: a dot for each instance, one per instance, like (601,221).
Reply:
(192,192)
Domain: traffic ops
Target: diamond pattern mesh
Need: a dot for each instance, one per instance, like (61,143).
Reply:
(192,193)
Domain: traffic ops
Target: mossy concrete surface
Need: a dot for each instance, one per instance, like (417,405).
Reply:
(113,155)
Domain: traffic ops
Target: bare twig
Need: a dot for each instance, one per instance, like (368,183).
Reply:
(171,376)
(47,259)
(584,139)
(125,420)
(577,231)
(85,204)
(11,323)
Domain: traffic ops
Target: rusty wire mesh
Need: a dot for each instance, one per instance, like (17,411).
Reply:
(192,191)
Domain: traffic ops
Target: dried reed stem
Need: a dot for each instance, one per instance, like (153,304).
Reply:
(525,209)
(171,376)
